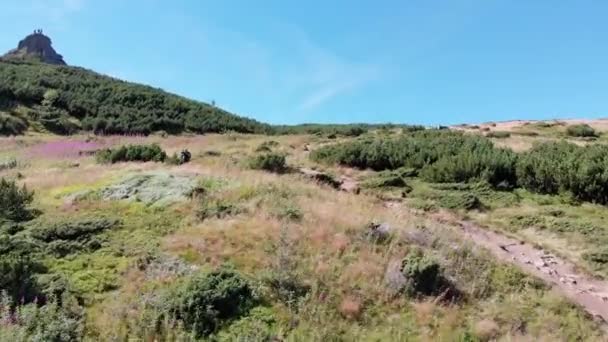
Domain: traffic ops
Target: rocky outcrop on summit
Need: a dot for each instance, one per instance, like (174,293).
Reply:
(37,45)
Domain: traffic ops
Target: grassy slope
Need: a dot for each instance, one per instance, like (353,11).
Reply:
(313,232)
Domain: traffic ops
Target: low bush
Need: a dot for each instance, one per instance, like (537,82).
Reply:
(73,231)
(491,165)
(267,146)
(11,125)
(216,208)
(273,162)
(8,164)
(61,239)
(552,168)
(460,200)
(14,202)
(143,153)
(498,134)
(209,301)
(443,156)
(384,179)
(259,325)
(581,131)
(422,272)
(58,320)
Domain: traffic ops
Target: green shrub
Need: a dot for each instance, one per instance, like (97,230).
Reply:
(14,202)
(73,230)
(217,208)
(289,212)
(58,320)
(259,325)
(460,200)
(443,156)
(494,166)
(11,125)
(143,153)
(19,277)
(498,134)
(61,239)
(581,130)
(209,301)
(599,257)
(384,179)
(422,273)
(273,162)
(267,146)
(552,168)
(8,164)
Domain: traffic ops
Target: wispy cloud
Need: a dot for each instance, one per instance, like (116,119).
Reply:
(329,76)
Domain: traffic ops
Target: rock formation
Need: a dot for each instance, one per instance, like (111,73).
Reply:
(39,46)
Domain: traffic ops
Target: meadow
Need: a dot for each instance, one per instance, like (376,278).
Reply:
(237,244)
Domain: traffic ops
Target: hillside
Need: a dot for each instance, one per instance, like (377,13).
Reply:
(250,237)
(63,100)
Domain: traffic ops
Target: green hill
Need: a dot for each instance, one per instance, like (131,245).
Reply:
(64,100)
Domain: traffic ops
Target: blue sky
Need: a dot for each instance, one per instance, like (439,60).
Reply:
(406,61)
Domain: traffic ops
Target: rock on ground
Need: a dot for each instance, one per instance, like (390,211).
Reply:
(154,188)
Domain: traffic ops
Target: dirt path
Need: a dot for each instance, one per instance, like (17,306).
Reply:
(564,277)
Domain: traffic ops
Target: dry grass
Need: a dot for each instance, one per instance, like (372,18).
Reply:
(327,245)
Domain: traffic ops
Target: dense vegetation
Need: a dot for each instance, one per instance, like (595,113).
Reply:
(581,130)
(441,156)
(208,301)
(66,99)
(347,130)
(270,161)
(562,167)
(449,157)
(143,153)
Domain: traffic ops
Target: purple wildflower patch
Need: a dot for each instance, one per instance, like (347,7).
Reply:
(64,149)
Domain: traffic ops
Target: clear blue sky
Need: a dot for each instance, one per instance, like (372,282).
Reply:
(282,61)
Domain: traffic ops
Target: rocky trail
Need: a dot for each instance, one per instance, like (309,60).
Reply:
(563,276)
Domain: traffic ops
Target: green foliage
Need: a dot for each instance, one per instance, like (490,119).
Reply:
(8,164)
(494,166)
(109,106)
(216,208)
(267,146)
(57,321)
(384,179)
(259,325)
(422,272)
(460,200)
(273,162)
(498,134)
(551,168)
(14,202)
(347,130)
(209,301)
(66,238)
(11,125)
(289,212)
(581,131)
(143,153)
(443,156)
(56,120)
(599,257)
